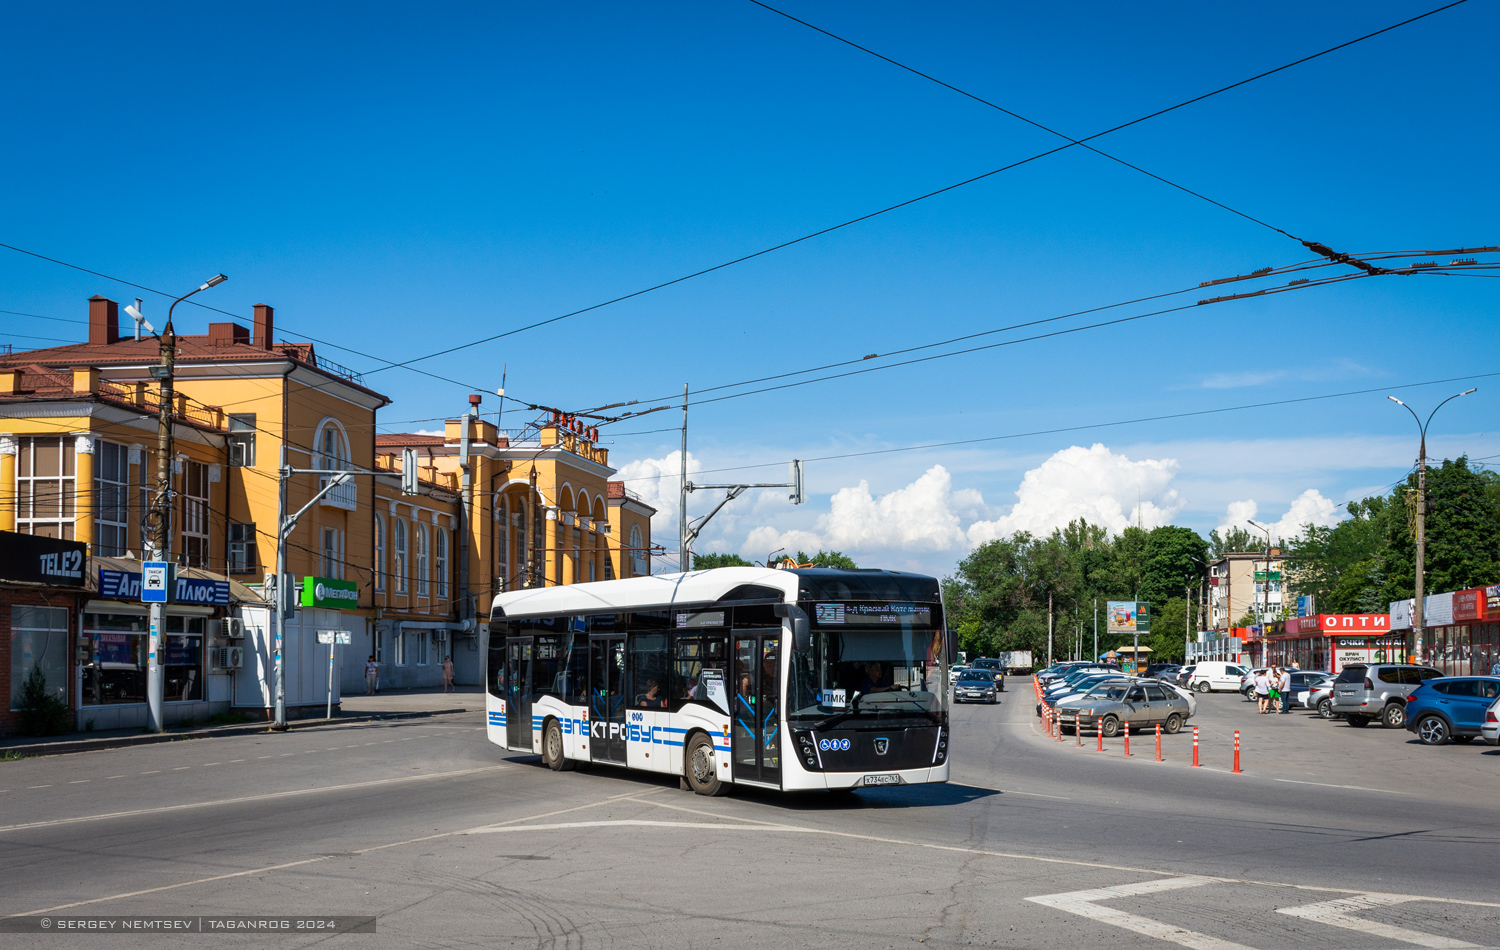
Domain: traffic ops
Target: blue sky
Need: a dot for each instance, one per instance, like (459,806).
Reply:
(397,180)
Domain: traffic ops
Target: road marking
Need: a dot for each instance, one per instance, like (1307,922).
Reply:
(1357,788)
(1336,913)
(1083,903)
(269,796)
(38,786)
(182,768)
(207,764)
(639,822)
(81,781)
(114,776)
(152,772)
(233,761)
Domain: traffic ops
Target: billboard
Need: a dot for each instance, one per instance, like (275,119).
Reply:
(1128,616)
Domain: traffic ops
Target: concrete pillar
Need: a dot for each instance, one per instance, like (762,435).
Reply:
(84,502)
(8,448)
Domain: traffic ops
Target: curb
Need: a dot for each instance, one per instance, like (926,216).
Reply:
(69,747)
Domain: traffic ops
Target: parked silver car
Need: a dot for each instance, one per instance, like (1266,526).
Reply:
(1378,691)
(1142,704)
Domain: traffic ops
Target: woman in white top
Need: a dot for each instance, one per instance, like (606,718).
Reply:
(1262,689)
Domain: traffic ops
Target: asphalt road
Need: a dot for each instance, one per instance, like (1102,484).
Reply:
(450,842)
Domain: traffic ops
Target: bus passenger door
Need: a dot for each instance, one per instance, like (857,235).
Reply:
(518,693)
(607,699)
(755,748)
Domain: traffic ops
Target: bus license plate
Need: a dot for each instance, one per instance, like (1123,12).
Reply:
(889,779)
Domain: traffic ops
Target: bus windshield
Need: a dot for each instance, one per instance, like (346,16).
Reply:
(869,662)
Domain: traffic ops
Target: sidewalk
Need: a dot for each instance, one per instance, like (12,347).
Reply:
(388,704)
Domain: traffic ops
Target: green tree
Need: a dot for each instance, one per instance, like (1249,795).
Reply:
(1175,558)
(1463,532)
(837,559)
(40,712)
(1234,540)
(702,562)
(1343,567)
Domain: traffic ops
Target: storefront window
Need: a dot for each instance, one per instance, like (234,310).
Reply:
(116,671)
(38,639)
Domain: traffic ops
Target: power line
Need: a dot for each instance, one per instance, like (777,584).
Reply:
(1082,428)
(910,201)
(1016,115)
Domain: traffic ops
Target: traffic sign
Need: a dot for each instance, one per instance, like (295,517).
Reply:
(340,637)
(158,582)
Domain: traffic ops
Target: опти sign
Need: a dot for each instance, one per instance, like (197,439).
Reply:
(330,593)
(33,559)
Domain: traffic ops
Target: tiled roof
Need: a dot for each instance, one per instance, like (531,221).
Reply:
(406,438)
(616,489)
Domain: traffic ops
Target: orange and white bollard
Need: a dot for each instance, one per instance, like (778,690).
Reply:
(1099,730)
(1078,729)
(1127,739)
(1195,747)
(1158,742)
(1236,750)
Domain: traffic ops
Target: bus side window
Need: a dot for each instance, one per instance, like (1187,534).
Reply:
(648,670)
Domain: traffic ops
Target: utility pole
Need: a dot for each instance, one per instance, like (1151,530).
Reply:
(1049,628)
(1187,621)
(161,507)
(682,538)
(1417,605)
(1096,628)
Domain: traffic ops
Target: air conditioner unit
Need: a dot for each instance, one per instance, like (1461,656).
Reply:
(230,628)
(227,658)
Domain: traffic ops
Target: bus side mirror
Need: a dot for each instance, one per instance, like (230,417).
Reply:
(801,626)
(952,646)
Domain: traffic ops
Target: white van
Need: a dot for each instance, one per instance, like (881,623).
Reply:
(1211,675)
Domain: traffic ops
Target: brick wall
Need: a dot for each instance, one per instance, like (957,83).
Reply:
(32,597)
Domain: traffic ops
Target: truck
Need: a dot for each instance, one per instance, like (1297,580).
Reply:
(1015,661)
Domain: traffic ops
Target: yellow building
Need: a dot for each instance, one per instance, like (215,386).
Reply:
(78,452)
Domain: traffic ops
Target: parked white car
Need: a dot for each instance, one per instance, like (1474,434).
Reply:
(1489,730)
(1217,675)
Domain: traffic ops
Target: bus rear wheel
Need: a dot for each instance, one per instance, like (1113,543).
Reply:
(552,747)
(701,768)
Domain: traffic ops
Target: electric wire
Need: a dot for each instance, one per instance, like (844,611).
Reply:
(910,201)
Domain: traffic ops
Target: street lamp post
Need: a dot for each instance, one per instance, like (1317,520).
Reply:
(160,516)
(1416,609)
(1265,590)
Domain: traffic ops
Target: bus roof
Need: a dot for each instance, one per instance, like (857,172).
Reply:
(705,587)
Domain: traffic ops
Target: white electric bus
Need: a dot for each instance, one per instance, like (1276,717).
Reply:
(785,679)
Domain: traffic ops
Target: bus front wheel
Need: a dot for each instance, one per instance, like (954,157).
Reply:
(702,768)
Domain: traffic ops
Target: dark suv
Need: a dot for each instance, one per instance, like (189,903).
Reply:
(993,667)
(1377,691)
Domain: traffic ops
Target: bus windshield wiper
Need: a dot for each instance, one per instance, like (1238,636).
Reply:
(837,718)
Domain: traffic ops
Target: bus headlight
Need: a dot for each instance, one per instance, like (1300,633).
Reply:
(807,749)
(941,755)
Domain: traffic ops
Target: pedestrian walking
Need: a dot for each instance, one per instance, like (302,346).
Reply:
(372,676)
(447,673)
(1262,690)
(1284,686)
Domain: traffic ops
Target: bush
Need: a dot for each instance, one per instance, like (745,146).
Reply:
(41,713)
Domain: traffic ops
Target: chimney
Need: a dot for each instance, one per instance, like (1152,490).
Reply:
(104,321)
(227,334)
(265,325)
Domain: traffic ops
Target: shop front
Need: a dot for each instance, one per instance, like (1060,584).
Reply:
(113,639)
(42,583)
(1332,641)
(1462,631)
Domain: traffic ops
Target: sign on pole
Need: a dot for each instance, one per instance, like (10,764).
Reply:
(158,582)
(330,637)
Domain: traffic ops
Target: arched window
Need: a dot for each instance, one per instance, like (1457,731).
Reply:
(422,550)
(398,567)
(639,563)
(502,543)
(440,565)
(379,552)
(332,445)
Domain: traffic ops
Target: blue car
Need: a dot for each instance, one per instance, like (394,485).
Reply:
(1450,707)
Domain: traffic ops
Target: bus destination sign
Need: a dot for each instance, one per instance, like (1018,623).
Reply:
(872,614)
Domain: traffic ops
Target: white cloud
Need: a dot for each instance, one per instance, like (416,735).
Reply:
(923,516)
(659,483)
(1096,484)
(1310,507)
(764,540)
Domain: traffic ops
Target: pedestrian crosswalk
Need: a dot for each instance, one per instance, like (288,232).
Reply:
(1233,915)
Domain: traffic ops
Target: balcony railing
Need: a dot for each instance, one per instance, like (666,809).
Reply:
(345,496)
